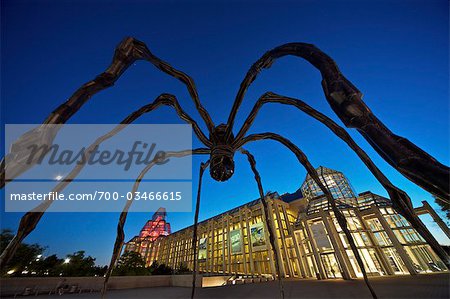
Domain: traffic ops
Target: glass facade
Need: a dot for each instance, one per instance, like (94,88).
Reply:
(336,183)
(309,240)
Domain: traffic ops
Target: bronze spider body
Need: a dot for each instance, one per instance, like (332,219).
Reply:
(222,144)
(221,159)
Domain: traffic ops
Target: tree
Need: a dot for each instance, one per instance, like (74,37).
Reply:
(153,267)
(445,207)
(100,271)
(25,255)
(77,264)
(156,269)
(49,266)
(28,261)
(131,263)
(183,269)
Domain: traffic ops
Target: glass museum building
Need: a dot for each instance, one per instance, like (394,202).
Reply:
(309,241)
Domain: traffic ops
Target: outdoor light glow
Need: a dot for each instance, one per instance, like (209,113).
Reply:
(10,272)
(66,261)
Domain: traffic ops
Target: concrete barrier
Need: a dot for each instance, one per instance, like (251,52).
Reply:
(15,285)
(12,286)
(133,282)
(186,280)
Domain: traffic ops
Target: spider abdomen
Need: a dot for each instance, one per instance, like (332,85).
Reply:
(222,155)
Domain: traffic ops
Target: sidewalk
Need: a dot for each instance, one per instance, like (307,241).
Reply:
(420,286)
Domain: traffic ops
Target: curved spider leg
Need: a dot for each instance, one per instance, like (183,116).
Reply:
(164,99)
(400,199)
(124,214)
(29,221)
(203,166)
(252,161)
(313,174)
(346,101)
(126,53)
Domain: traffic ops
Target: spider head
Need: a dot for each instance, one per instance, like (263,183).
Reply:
(221,165)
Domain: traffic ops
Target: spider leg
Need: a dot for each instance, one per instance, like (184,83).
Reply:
(346,101)
(123,216)
(29,221)
(203,166)
(313,174)
(252,162)
(126,53)
(402,202)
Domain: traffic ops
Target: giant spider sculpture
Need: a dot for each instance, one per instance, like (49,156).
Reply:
(222,144)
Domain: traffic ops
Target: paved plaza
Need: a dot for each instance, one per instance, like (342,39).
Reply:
(419,286)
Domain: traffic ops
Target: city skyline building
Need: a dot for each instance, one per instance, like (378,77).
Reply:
(152,230)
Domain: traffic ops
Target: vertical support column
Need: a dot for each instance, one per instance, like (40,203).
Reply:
(196,261)
(298,260)
(205,263)
(315,250)
(147,254)
(302,257)
(151,253)
(190,253)
(384,262)
(339,250)
(283,240)
(397,245)
(250,251)
(436,218)
(175,252)
(161,252)
(269,249)
(228,245)
(277,243)
(185,251)
(169,253)
(180,251)
(224,268)
(213,245)
(242,241)
(209,247)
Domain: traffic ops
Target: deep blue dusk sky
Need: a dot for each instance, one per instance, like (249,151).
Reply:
(395,52)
